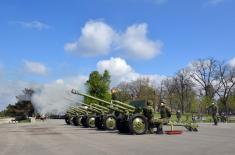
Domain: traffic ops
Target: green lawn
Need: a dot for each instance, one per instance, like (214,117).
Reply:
(188,117)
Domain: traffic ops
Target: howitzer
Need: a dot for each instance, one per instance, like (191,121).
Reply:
(91,112)
(127,121)
(74,114)
(103,118)
(88,117)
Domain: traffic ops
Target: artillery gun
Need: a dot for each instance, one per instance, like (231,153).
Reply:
(127,118)
(122,115)
(103,118)
(74,115)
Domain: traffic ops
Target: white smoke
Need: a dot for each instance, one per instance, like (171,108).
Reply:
(56,97)
(9,89)
(53,97)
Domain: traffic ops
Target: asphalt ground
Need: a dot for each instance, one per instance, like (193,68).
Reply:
(53,137)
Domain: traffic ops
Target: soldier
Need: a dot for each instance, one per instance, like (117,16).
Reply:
(214,111)
(165,114)
(149,113)
(178,115)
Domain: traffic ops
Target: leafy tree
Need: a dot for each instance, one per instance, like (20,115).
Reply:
(23,107)
(98,86)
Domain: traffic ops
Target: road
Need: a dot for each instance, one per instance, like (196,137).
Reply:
(53,137)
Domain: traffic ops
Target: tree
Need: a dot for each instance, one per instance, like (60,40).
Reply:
(23,107)
(169,87)
(139,89)
(226,76)
(204,74)
(98,85)
(184,91)
(122,93)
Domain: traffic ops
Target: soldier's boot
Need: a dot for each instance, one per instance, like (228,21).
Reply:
(159,130)
(150,131)
(215,120)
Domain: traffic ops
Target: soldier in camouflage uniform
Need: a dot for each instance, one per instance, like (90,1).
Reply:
(149,113)
(165,114)
(214,112)
(178,115)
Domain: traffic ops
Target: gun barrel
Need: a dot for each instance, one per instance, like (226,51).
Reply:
(95,109)
(124,104)
(91,97)
(113,104)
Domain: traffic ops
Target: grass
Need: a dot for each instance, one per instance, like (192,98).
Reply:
(188,118)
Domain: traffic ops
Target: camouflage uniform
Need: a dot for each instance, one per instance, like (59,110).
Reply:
(165,114)
(149,113)
(214,111)
(178,115)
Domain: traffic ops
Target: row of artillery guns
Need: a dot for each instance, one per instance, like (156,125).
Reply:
(112,115)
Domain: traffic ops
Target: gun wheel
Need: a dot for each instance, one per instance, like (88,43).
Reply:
(67,120)
(84,121)
(91,121)
(75,121)
(122,125)
(99,123)
(80,120)
(138,124)
(110,122)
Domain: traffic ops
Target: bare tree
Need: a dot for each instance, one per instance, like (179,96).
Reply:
(204,74)
(140,89)
(226,76)
(169,90)
(183,88)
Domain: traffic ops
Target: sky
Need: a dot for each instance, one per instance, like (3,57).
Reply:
(44,43)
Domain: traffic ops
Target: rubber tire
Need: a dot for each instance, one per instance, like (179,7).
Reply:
(67,120)
(99,123)
(130,123)
(104,122)
(79,120)
(87,121)
(84,121)
(75,121)
(122,125)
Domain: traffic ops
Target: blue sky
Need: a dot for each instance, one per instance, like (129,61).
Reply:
(35,33)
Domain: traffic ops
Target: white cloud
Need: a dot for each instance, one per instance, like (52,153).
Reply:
(32,25)
(232,62)
(120,71)
(136,43)
(35,68)
(215,2)
(96,39)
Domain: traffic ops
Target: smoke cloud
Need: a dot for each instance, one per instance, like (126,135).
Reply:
(56,97)
(53,97)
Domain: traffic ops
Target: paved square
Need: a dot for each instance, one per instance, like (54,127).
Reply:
(53,137)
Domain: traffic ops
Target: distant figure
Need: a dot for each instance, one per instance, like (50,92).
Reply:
(214,111)
(223,117)
(149,113)
(178,115)
(193,118)
(165,113)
